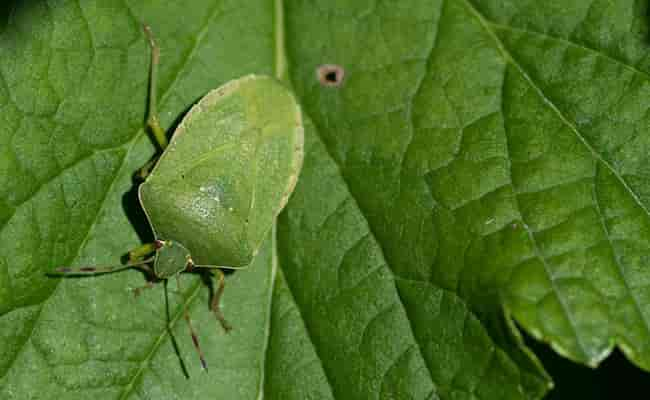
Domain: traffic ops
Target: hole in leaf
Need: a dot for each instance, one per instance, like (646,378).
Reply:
(330,75)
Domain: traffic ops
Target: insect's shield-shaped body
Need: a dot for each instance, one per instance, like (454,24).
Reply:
(215,192)
(227,173)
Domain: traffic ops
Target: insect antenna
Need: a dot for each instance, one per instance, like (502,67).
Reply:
(94,269)
(195,339)
(171,334)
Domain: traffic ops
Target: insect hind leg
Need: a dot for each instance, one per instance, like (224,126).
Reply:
(215,301)
(214,304)
(195,339)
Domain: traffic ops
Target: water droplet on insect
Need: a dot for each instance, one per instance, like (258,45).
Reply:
(214,192)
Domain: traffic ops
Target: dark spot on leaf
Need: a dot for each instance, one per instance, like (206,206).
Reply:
(330,75)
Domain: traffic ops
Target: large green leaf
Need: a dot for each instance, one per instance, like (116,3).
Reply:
(502,155)
(481,160)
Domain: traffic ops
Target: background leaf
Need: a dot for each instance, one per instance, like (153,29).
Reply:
(504,161)
(482,160)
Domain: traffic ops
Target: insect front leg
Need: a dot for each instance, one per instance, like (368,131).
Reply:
(152,120)
(94,269)
(144,251)
(141,253)
(144,171)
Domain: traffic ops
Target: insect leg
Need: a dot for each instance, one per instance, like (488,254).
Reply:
(137,255)
(142,251)
(93,269)
(216,298)
(171,332)
(214,304)
(195,338)
(145,170)
(138,290)
(152,120)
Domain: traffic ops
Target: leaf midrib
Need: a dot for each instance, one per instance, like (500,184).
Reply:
(279,71)
(374,236)
(199,38)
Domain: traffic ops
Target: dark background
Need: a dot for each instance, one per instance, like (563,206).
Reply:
(615,378)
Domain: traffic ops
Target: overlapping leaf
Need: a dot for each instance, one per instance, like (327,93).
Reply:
(501,155)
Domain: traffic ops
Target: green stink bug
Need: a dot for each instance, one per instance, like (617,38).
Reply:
(213,194)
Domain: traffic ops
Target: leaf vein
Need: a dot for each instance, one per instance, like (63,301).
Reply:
(617,261)
(566,42)
(508,57)
(159,340)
